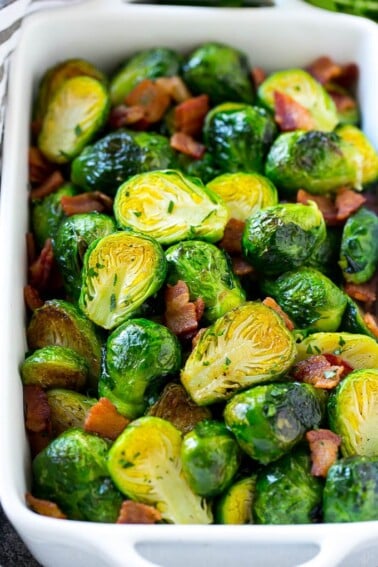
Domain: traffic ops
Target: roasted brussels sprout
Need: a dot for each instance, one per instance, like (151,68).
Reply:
(73,237)
(353,412)
(120,272)
(359,246)
(58,322)
(144,462)
(68,409)
(220,71)
(367,156)
(268,420)
(204,168)
(353,320)
(207,272)
(137,352)
(170,206)
(319,162)
(326,256)
(238,136)
(146,64)
(75,113)
(210,458)
(311,299)
(244,193)
(119,155)
(72,472)
(246,346)
(305,90)
(55,367)
(287,492)
(235,505)
(283,237)
(351,490)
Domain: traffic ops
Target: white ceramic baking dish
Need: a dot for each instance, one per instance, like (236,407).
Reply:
(105,32)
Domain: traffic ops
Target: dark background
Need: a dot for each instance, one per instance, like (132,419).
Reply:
(13,552)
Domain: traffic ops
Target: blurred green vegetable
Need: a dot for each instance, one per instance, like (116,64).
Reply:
(367,8)
(235,505)
(68,409)
(353,320)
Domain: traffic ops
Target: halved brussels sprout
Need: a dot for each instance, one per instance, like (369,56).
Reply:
(76,112)
(353,321)
(235,505)
(311,299)
(55,367)
(283,237)
(366,156)
(207,272)
(170,206)
(246,346)
(68,409)
(319,162)
(220,71)
(144,462)
(137,353)
(351,490)
(359,246)
(269,420)
(73,237)
(119,155)
(58,322)
(238,136)
(304,89)
(72,472)
(120,272)
(244,193)
(353,412)
(146,64)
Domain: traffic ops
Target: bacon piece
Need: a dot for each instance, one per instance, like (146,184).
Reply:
(336,360)
(181,314)
(231,241)
(290,114)
(343,100)
(39,167)
(86,203)
(366,292)
(44,507)
(347,202)
(189,116)
(37,418)
(137,513)
(104,419)
(324,446)
(241,267)
(371,323)
(324,70)
(50,185)
(152,97)
(318,371)
(175,88)
(325,204)
(258,76)
(270,302)
(187,145)
(32,298)
(41,269)
(123,115)
(31,251)
(334,212)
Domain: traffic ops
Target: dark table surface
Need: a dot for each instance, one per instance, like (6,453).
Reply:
(13,552)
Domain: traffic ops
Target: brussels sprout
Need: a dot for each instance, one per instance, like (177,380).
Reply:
(73,237)
(235,505)
(119,155)
(68,409)
(287,493)
(238,136)
(47,213)
(244,193)
(137,353)
(305,90)
(120,272)
(170,206)
(146,64)
(366,156)
(246,346)
(144,462)
(269,420)
(353,412)
(55,367)
(283,237)
(58,322)
(353,321)
(72,472)
(204,168)
(351,490)
(75,113)
(207,272)
(220,71)
(325,257)
(359,246)
(311,299)
(210,458)
(319,162)
(359,351)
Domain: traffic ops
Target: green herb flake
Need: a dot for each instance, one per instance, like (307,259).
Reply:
(78,130)
(227,361)
(137,213)
(170,206)
(112,302)
(341,341)
(309,350)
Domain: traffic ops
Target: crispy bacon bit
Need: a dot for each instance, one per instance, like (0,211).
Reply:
(231,241)
(86,203)
(324,446)
(189,116)
(152,97)
(44,507)
(32,298)
(258,76)
(366,292)
(343,100)
(324,70)
(51,184)
(371,323)
(137,513)
(123,115)
(290,115)
(39,167)
(325,204)
(181,314)
(104,419)
(187,145)
(41,269)
(241,267)
(37,409)
(175,88)
(347,202)
(31,251)
(334,212)
(270,302)
(318,371)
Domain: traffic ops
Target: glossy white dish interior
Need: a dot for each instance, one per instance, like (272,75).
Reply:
(105,32)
